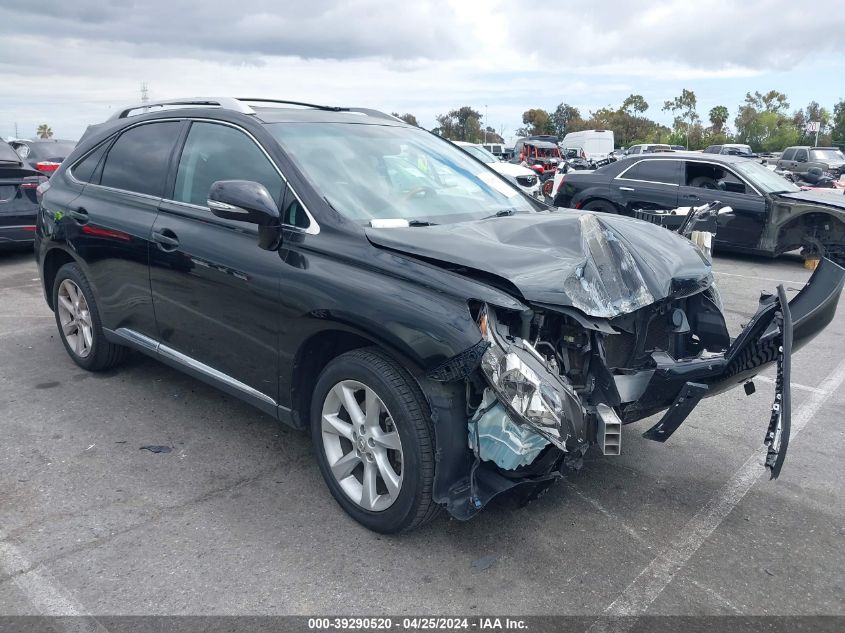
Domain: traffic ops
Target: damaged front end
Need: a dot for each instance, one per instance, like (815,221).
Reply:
(550,381)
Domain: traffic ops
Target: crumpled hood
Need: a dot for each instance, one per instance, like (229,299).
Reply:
(603,265)
(832,198)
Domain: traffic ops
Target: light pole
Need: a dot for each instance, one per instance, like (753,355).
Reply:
(485,124)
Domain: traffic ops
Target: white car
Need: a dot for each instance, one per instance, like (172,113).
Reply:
(526,178)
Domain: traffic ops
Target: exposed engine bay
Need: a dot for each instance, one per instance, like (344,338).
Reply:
(619,320)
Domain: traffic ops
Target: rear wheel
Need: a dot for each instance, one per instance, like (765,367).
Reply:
(79,323)
(372,434)
(601,205)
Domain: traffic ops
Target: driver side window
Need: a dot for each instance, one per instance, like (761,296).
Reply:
(218,152)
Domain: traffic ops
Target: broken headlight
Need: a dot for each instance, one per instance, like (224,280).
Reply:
(522,381)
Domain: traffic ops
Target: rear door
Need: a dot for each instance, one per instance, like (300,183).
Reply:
(215,292)
(109,224)
(649,184)
(744,226)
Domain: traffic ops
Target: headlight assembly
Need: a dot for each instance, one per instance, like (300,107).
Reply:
(532,393)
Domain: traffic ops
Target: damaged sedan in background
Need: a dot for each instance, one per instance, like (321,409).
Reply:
(443,336)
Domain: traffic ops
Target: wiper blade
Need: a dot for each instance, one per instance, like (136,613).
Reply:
(421,223)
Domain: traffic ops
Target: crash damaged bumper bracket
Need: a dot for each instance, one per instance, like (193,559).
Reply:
(688,398)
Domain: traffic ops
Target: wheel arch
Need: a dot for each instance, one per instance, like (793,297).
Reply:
(809,227)
(319,349)
(53,261)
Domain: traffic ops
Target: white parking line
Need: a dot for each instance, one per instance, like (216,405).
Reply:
(46,596)
(638,596)
(794,385)
(777,281)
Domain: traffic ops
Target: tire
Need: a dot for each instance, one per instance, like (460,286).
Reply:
(401,402)
(704,182)
(95,353)
(602,206)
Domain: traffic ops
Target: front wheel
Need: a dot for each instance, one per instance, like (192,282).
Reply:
(374,442)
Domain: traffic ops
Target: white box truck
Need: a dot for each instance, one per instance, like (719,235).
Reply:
(591,144)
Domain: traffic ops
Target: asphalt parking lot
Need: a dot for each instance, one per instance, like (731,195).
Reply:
(235,519)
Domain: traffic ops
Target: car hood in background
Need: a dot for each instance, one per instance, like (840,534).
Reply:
(603,265)
(511,169)
(833,198)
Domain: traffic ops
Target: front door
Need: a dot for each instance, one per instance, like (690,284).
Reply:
(215,292)
(708,182)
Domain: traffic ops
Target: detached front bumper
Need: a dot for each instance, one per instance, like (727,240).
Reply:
(773,333)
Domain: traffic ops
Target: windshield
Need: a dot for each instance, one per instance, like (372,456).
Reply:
(480,153)
(382,171)
(737,149)
(827,154)
(51,151)
(764,179)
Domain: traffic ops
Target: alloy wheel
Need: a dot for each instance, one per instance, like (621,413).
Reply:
(362,445)
(75,318)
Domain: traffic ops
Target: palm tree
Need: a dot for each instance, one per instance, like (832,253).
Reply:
(44,131)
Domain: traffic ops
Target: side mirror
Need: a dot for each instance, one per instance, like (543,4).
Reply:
(721,184)
(243,200)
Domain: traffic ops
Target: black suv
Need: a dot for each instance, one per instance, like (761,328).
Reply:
(770,214)
(442,336)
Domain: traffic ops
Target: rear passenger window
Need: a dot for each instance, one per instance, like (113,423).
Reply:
(662,171)
(138,159)
(218,152)
(85,169)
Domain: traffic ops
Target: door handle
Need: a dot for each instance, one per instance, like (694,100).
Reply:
(691,196)
(166,239)
(626,189)
(80,215)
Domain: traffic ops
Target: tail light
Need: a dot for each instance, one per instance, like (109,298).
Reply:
(47,166)
(33,182)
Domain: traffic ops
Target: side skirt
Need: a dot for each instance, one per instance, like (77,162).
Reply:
(200,371)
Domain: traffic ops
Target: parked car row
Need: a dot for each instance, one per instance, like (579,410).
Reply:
(441,335)
(770,214)
(24,165)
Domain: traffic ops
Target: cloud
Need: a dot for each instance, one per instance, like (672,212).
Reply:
(318,29)
(74,63)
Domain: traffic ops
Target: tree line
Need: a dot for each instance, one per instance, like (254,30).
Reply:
(763,121)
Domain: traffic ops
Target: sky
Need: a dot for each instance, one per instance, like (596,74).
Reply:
(70,64)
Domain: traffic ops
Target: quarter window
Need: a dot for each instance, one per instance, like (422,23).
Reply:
(218,152)
(660,171)
(139,158)
(85,169)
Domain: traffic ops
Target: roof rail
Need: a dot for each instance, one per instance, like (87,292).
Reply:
(299,103)
(376,113)
(238,105)
(227,103)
